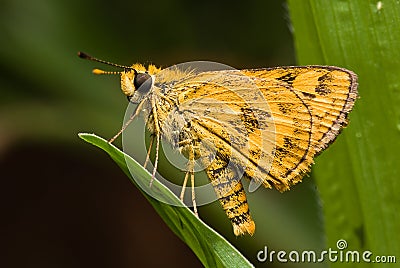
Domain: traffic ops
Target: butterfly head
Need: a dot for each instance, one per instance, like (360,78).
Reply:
(136,84)
(136,81)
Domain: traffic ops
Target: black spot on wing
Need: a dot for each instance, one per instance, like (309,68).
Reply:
(308,95)
(249,119)
(288,78)
(323,87)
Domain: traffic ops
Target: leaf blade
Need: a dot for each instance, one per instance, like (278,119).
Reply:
(210,247)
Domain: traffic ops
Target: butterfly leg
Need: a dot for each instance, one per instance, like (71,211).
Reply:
(157,132)
(131,118)
(149,150)
(156,159)
(193,194)
(184,186)
(230,192)
(190,170)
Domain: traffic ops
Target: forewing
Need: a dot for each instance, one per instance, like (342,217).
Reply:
(310,107)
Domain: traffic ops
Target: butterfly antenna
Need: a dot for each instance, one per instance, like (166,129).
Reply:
(85,56)
(98,71)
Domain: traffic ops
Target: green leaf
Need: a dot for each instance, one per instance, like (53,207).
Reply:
(210,247)
(358,177)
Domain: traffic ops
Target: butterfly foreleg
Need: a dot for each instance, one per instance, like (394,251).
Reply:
(131,118)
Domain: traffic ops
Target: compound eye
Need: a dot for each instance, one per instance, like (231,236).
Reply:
(142,82)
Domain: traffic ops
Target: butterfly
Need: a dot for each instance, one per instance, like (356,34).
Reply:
(265,124)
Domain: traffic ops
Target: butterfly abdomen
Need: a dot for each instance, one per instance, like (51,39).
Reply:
(226,182)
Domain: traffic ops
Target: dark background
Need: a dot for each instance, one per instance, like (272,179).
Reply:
(65,203)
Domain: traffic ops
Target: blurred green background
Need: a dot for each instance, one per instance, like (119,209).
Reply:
(65,203)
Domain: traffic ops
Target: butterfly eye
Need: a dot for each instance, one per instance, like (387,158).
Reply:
(142,82)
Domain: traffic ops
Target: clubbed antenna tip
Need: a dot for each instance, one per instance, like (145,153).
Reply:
(83,55)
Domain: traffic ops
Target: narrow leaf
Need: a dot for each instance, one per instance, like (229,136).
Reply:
(211,248)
